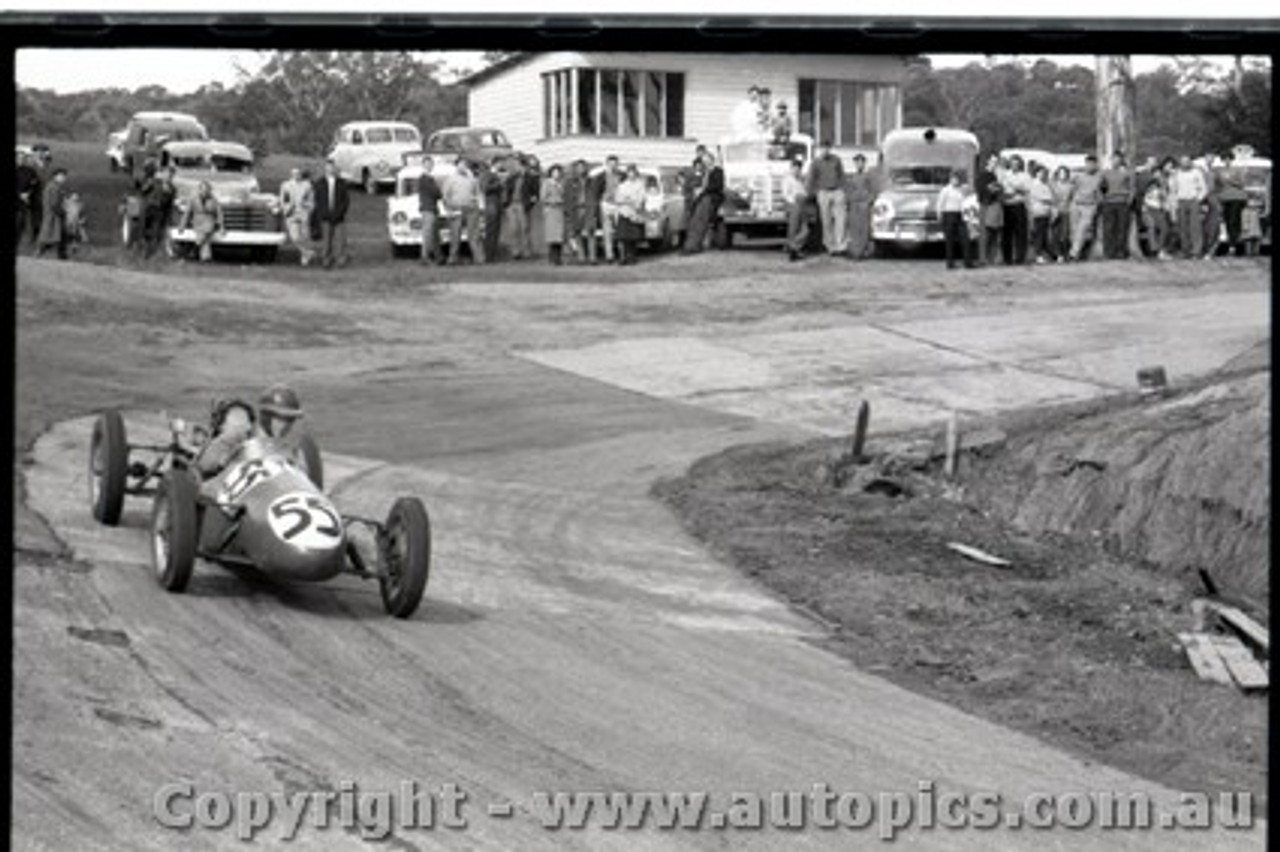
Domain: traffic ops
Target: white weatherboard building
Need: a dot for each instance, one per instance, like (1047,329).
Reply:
(655,108)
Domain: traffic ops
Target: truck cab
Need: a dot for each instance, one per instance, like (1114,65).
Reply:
(753,174)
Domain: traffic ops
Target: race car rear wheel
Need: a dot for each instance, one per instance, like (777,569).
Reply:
(174,531)
(406,557)
(307,454)
(108,467)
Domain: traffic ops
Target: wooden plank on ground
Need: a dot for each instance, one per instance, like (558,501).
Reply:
(1244,667)
(1252,631)
(1204,657)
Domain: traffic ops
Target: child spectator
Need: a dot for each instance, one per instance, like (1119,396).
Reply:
(955,231)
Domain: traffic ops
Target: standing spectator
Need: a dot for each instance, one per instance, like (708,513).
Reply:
(53,230)
(166,196)
(796,195)
(861,188)
(954,229)
(297,200)
(429,197)
(607,183)
(706,205)
(1257,208)
(332,203)
(1040,204)
(1168,170)
(1117,196)
(1233,196)
(552,194)
(990,210)
(629,199)
(593,188)
(525,193)
(204,216)
(1060,230)
(1154,216)
(691,182)
(149,192)
(29,198)
(1212,207)
(1142,178)
(1188,188)
(574,209)
(1015,188)
(1086,193)
(826,181)
(491,205)
(462,200)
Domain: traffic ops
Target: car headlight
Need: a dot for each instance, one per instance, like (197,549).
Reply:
(399,217)
(882,209)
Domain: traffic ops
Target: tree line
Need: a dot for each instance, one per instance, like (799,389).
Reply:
(1185,106)
(295,101)
(292,104)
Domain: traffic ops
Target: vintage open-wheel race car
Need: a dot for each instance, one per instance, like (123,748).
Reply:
(265,510)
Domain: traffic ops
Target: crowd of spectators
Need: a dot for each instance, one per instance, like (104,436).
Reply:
(1018,213)
(1174,208)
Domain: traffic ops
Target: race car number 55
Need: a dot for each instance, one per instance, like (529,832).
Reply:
(305,520)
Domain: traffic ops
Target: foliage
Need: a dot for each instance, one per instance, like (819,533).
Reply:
(1186,106)
(292,104)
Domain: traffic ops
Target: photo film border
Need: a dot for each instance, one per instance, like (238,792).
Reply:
(651,33)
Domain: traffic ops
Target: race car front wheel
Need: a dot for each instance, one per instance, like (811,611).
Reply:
(406,557)
(108,467)
(173,531)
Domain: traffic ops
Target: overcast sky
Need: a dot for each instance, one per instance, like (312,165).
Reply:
(184,71)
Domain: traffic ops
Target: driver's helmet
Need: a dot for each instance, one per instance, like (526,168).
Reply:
(279,403)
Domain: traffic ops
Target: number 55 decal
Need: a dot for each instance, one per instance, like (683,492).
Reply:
(306,521)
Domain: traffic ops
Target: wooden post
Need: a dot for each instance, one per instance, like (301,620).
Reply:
(953,444)
(860,432)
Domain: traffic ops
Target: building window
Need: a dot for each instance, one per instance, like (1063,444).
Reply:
(608,102)
(843,112)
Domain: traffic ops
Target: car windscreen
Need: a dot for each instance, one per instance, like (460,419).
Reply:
(182,134)
(920,176)
(375,135)
(238,165)
(408,186)
(191,162)
(406,134)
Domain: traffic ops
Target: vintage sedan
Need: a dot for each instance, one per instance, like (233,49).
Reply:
(369,153)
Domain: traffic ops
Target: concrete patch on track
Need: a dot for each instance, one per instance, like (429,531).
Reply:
(914,372)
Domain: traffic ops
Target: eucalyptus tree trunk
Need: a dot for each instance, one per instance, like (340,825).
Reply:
(1115,108)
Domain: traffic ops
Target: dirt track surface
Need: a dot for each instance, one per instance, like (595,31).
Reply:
(573,637)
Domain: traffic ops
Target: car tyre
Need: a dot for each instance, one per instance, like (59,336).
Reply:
(307,455)
(174,531)
(108,467)
(406,557)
